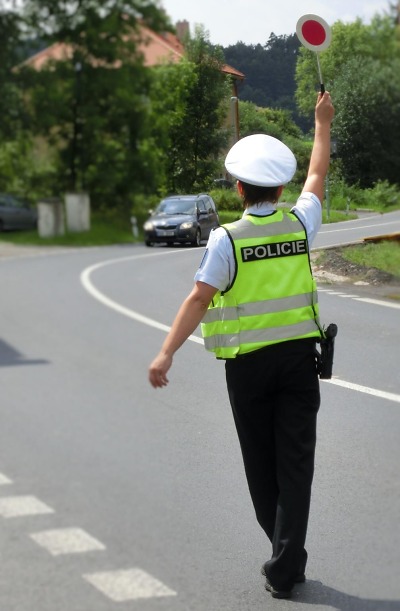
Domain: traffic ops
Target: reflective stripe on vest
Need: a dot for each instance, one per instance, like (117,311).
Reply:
(273,297)
(260,307)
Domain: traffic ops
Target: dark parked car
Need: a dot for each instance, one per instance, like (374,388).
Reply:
(16,213)
(223,183)
(182,218)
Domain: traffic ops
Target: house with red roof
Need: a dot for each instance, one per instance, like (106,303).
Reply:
(155,48)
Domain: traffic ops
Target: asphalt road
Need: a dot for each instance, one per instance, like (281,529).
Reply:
(353,231)
(117,496)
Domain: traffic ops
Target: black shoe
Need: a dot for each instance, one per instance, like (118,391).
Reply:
(277,593)
(300,578)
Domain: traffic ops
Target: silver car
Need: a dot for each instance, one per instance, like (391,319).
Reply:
(16,213)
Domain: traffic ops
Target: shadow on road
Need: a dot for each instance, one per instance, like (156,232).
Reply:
(316,593)
(10,357)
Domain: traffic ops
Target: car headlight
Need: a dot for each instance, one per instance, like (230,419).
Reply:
(148,226)
(187,225)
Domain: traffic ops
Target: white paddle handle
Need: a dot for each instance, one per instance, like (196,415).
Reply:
(320,76)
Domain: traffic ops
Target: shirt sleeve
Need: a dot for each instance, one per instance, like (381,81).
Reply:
(217,265)
(309,210)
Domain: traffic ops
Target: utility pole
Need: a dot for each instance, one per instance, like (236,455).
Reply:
(235,118)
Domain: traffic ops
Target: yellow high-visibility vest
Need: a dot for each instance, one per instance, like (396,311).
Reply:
(273,296)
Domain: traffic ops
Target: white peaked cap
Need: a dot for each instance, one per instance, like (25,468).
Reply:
(261,160)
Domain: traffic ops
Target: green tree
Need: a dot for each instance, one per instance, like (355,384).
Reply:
(101,29)
(277,123)
(12,113)
(367,122)
(20,169)
(92,107)
(169,95)
(269,70)
(190,103)
(204,132)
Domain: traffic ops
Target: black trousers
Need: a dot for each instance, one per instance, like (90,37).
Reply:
(274,394)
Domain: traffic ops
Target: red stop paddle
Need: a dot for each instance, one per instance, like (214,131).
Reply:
(314,34)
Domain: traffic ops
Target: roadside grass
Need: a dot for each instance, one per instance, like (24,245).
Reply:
(105,229)
(384,256)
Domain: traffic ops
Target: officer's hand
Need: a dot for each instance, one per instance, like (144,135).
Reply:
(158,370)
(324,110)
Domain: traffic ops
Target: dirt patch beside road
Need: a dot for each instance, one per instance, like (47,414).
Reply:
(331,267)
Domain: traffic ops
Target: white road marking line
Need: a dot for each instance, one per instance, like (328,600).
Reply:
(365,389)
(380,302)
(130,584)
(4,480)
(88,285)
(327,231)
(387,304)
(16,506)
(67,541)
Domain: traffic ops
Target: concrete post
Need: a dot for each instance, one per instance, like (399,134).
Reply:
(77,206)
(50,218)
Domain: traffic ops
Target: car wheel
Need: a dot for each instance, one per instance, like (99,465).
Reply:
(148,243)
(1,226)
(197,237)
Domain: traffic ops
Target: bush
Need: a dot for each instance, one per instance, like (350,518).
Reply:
(27,169)
(302,151)
(142,203)
(290,193)
(227,199)
(342,197)
(229,216)
(382,195)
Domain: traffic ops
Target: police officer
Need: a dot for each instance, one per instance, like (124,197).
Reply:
(256,299)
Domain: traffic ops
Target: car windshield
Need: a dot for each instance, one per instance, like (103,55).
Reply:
(176,206)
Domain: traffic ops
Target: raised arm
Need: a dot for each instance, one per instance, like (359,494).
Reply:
(320,155)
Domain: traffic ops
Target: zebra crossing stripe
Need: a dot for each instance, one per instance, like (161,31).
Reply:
(4,480)
(129,584)
(16,506)
(67,541)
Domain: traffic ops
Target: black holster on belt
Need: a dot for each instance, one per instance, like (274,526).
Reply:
(325,358)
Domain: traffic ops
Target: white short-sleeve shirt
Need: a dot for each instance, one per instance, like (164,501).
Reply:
(217,268)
